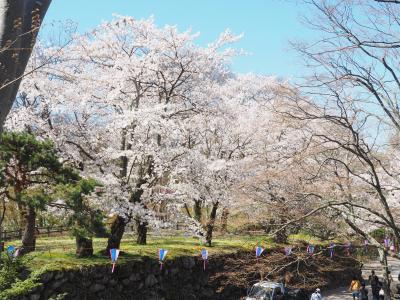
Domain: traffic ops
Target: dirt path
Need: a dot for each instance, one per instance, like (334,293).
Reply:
(343,293)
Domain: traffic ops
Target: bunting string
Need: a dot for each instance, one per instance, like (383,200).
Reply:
(388,244)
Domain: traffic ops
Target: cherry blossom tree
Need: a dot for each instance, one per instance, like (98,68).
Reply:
(116,100)
(221,142)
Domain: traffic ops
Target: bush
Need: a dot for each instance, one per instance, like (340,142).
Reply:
(9,270)
(21,287)
(12,283)
(379,234)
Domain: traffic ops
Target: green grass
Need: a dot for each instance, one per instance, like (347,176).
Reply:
(304,237)
(55,253)
(59,252)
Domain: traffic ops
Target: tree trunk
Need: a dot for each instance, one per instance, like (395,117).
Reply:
(268,227)
(20,21)
(117,231)
(224,220)
(118,223)
(84,246)
(385,267)
(281,237)
(1,239)
(29,237)
(141,231)
(22,211)
(197,210)
(211,223)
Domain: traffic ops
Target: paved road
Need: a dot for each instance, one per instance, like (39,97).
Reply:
(343,294)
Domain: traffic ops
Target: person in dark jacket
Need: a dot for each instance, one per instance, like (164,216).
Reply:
(398,285)
(279,295)
(363,292)
(372,277)
(376,286)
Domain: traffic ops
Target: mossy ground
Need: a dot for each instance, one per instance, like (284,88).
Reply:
(59,252)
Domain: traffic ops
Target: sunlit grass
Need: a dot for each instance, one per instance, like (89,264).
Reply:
(59,252)
(304,237)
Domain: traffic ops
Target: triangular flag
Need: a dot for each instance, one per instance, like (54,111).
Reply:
(259,251)
(162,253)
(331,247)
(114,253)
(386,242)
(10,250)
(204,255)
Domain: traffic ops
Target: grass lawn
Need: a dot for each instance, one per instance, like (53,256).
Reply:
(58,252)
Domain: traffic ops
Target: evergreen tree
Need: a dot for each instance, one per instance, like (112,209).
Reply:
(30,172)
(85,221)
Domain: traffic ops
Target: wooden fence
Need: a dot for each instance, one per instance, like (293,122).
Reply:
(40,231)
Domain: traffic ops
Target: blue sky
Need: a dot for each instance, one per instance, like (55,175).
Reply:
(267,25)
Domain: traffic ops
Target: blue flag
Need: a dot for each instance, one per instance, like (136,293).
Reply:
(10,250)
(259,251)
(114,253)
(204,254)
(162,253)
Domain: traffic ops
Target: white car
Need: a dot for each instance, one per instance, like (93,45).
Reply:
(264,290)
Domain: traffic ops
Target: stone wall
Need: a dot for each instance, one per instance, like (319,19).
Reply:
(181,278)
(227,277)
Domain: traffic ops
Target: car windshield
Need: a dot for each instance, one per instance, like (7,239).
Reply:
(259,291)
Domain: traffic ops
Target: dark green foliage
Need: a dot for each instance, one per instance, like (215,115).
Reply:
(34,177)
(25,162)
(85,221)
(9,270)
(379,234)
(21,287)
(14,278)
(31,173)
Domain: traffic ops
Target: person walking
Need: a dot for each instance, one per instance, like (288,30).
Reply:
(363,292)
(355,287)
(376,286)
(398,286)
(389,279)
(279,295)
(372,277)
(316,295)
